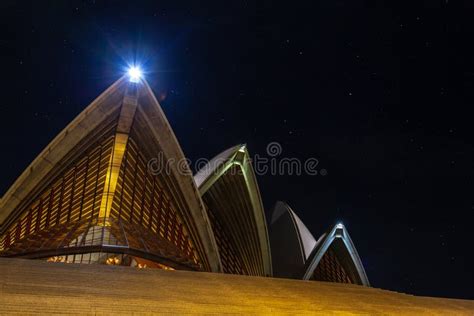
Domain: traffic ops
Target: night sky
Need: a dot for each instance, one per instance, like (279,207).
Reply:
(382,96)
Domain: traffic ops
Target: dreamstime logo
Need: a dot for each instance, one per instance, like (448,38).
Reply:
(274,149)
(270,164)
(276,166)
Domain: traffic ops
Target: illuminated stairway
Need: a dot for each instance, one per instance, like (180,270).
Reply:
(33,286)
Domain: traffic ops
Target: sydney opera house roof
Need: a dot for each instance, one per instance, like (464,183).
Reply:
(230,192)
(91,196)
(299,255)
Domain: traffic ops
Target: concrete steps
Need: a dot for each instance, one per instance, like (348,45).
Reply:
(39,287)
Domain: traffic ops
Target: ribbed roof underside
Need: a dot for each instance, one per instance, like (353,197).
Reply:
(97,168)
(229,202)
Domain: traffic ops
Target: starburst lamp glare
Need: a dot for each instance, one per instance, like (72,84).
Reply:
(135,74)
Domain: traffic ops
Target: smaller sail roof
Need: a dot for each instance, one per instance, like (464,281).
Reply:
(338,240)
(228,186)
(306,240)
(297,254)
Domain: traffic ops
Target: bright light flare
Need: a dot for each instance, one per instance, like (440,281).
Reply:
(135,74)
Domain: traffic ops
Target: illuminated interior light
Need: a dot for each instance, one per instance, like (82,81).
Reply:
(135,74)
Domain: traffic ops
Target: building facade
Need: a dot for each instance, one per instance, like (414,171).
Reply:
(91,197)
